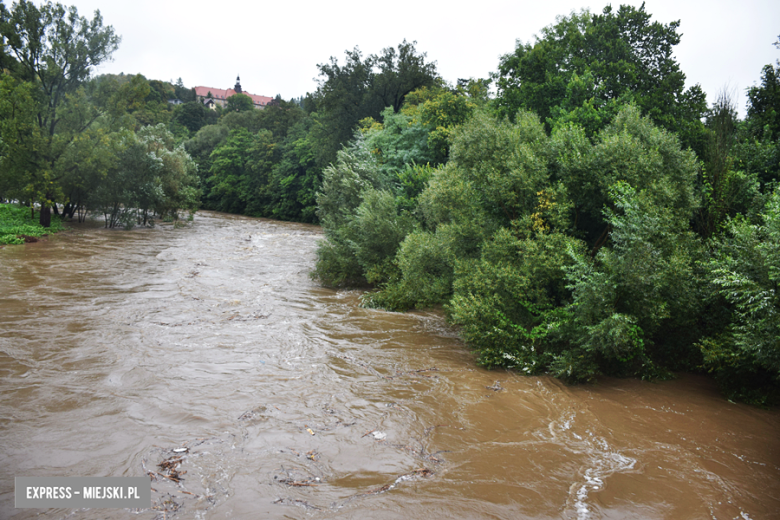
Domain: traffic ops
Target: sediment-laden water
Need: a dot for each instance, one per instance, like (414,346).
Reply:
(294,402)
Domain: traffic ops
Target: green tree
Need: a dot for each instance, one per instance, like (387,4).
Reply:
(764,100)
(502,247)
(192,115)
(239,103)
(240,171)
(148,175)
(296,178)
(629,149)
(280,117)
(399,73)
(441,114)
(345,186)
(399,141)
(187,95)
(744,271)
(589,62)
(19,136)
(727,189)
(362,88)
(56,50)
(155,108)
(200,146)
(342,101)
(495,171)
(757,150)
(635,304)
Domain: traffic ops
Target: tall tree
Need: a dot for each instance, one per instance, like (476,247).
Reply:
(363,88)
(399,73)
(56,50)
(758,145)
(183,93)
(590,62)
(764,101)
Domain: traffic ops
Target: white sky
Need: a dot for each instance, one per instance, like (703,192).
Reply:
(276,47)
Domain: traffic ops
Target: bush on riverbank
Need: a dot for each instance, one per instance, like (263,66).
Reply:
(16,222)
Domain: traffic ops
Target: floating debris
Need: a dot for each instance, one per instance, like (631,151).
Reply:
(496,387)
(246,415)
(386,487)
(290,502)
(429,429)
(168,505)
(300,483)
(251,414)
(170,466)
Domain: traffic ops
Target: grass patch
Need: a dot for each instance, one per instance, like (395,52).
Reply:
(16,222)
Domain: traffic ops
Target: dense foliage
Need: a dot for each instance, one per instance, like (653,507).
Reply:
(595,218)
(84,142)
(585,66)
(271,162)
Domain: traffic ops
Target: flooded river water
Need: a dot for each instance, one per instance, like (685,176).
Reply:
(294,402)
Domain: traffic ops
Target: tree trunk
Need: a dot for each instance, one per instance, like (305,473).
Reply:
(45,216)
(601,241)
(69,210)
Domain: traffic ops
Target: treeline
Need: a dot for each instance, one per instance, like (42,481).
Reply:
(269,162)
(594,218)
(116,145)
(108,145)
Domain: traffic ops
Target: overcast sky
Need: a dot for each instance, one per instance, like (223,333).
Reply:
(276,47)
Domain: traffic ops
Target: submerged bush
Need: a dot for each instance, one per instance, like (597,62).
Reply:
(569,255)
(539,276)
(362,220)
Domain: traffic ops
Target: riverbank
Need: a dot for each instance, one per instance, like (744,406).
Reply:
(18,225)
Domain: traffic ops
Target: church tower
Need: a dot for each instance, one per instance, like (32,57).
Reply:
(237,88)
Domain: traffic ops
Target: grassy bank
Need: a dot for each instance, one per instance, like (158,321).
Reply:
(17,225)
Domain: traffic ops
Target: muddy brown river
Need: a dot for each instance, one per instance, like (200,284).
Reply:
(294,402)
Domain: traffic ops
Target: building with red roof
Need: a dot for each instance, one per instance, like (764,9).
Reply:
(220,96)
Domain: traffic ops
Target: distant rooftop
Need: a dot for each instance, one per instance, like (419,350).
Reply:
(223,94)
